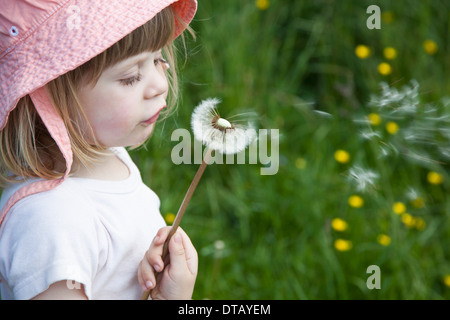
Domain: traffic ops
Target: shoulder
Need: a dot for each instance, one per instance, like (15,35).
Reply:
(55,232)
(64,203)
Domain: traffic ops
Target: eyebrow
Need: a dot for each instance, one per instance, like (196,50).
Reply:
(128,63)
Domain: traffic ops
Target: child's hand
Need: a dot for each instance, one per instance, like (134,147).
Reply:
(180,268)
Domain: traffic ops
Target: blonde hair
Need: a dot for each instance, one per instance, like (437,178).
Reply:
(26,147)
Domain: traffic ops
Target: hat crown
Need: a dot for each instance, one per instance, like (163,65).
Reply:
(19,18)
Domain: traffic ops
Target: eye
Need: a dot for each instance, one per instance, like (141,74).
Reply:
(163,62)
(132,80)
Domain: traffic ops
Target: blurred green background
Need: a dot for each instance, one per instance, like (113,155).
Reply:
(363,172)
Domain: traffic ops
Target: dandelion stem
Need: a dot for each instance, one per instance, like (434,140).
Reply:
(182,209)
(186,199)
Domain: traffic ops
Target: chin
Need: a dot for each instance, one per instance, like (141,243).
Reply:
(146,134)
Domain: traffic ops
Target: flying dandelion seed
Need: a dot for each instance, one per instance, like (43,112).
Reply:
(417,131)
(362,178)
(323,114)
(369,135)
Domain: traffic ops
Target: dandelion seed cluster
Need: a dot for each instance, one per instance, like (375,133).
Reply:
(415,130)
(218,133)
(362,178)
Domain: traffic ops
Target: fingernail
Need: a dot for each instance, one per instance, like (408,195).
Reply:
(177,238)
(149,285)
(157,268)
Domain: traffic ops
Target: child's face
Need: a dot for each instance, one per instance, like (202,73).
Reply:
(125,102)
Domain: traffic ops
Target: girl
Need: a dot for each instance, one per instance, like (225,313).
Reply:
(79,81)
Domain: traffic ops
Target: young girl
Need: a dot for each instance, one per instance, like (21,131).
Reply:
(79,81)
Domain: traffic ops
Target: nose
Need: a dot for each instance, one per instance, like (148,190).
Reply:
(157,84)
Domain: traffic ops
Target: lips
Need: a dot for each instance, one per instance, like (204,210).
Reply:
(153,118)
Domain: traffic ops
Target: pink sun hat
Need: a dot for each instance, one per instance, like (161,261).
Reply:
(43,39)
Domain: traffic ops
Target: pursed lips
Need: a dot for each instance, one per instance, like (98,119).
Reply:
(154,117)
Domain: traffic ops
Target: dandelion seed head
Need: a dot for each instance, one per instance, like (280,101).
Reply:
(223,123)
(218,133)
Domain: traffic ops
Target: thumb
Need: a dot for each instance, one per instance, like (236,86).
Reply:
(177,252)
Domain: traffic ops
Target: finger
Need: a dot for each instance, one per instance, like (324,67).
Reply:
(177,255)
(161,236)
(146,275)
(153,255)
(190,253)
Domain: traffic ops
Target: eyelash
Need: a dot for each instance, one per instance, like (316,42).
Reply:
(164,62)
(132,80)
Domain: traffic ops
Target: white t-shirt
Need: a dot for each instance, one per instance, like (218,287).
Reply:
(94,232)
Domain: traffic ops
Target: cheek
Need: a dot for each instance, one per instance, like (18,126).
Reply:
(109,117)
(116,120)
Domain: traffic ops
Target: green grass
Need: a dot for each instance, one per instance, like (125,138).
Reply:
(286,63)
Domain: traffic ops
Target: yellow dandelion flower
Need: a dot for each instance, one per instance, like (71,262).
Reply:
(374,119)
(387,17)
(384,239)
(343,245)
(392,127)
(169,217)
(408,220)
(420,224)
(446,280)
(384,68)
(434,177)
(355,201)
(399,207)
(342,156)
(362,51)
(300,163)
(339,224)
(262,4)
(418,203)
(430,46)
(390,53)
